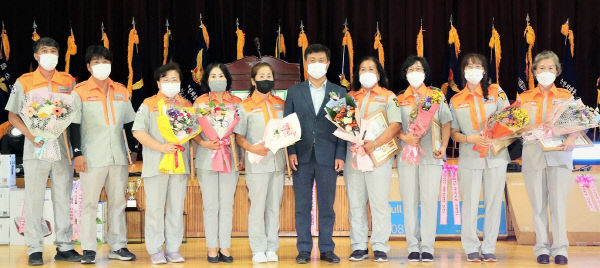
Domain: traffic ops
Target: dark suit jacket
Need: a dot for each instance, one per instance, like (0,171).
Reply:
(317,131)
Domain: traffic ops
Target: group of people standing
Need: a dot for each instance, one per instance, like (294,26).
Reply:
(100,156)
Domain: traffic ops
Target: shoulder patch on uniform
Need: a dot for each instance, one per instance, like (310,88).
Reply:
(396,102)
(502,95)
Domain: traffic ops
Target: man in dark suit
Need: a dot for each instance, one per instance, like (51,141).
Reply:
(318,156)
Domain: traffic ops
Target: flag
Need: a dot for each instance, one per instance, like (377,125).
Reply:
(496,52)
(377,45)
(72,62)
(302,45)
(241,39)
(167,47)
(200,62)
(452,86)
(347,59)
(34,36)
(134,79)
(104,37)
(279,45)
(525,79)
(568,77)
(598,92)
(420,42)
(6,82)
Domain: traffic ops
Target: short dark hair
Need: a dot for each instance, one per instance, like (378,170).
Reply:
(210,67)
(97,51)
(315,48)
(45,41)
(472,58)
(162,70)
(383,80)
(410,61)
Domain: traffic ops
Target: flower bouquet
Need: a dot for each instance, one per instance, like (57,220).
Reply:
(568,116)
(279,133)
(420,120)
(177,125)
(218,122)
(503,125)
(46,115)
(344,114)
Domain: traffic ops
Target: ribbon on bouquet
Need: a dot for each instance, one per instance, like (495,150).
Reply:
(449,172)
(589,191)
(222,156)
(76,199)
(359,160)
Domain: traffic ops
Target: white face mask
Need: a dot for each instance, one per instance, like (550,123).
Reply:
(474,76)
(545,78)
(101,71)
(170,89)
(316,70)
(48,61)
(368,79)
(415,79)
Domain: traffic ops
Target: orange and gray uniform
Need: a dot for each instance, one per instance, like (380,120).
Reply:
(162,225)
(470,112)
(372,186)
(421,182)
(37,171)
(547,175)
(218,189)
(101,116)
(265,178)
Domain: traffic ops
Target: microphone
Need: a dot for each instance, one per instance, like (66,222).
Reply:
(257,44)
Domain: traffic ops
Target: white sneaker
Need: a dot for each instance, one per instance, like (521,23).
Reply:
(259,258)
(272,256)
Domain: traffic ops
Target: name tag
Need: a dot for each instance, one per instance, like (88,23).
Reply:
(379,99)
(555,101)
(63,89)
(256,110)
(278,107)
(92,98)
(531,103)
(404,103)
(489,100)
(464,105)
(118,96)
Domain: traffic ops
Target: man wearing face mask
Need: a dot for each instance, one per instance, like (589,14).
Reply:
(44,78)
(318,156)
(100,152)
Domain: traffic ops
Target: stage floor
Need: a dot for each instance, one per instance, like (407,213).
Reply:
(448,254)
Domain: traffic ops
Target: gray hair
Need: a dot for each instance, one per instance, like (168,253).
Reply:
(547,54)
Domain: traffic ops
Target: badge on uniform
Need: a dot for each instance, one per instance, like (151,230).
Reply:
(278,107)
(490,100)
(502,95)
(379,99)
(464,105)
(118,96)
(63,89)
(256,110)
(396,102)
(92,98)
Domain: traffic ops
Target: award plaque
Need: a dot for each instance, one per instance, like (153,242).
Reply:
(377,126)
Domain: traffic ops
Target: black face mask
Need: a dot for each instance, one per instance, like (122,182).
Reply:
(264,86)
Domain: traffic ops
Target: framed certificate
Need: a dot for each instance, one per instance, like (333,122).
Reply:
(499,145)
(553,144)
(378,125)
(436,134)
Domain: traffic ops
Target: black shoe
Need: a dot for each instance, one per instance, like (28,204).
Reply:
(543,259)
(69,255)
(214,259)
(223,258)
(560,259)
(414,256)
(359,255)
(330,257)
(89,257)
(122,254)
(426,257)
(380,256)
(35,259)
(303,257)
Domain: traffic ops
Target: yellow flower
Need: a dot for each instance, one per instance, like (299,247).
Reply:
(34,104)
(42,115)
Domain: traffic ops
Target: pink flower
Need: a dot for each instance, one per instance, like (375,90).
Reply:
(30,112)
